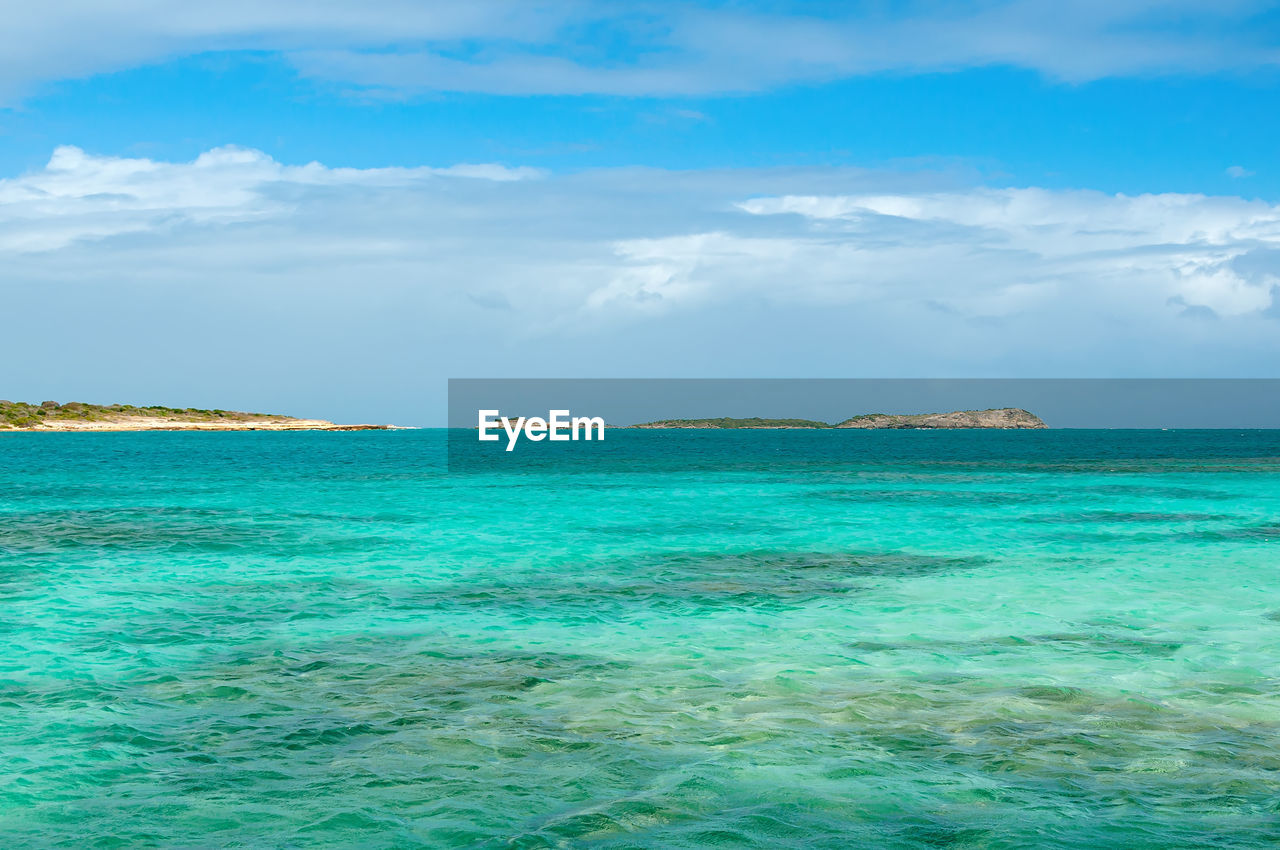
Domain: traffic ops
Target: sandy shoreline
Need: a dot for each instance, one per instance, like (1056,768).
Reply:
(148,423)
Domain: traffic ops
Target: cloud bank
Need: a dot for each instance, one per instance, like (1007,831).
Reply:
(634,243)
(486,269)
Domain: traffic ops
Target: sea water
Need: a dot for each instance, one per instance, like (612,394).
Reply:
(737,639)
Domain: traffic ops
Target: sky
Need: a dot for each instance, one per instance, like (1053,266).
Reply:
(330,208)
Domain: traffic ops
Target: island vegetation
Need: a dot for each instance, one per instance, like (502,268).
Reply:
(81,416)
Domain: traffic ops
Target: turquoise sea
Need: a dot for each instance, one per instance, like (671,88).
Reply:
(712,639)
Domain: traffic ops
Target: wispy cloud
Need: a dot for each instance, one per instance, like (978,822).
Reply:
(705,51)
(513,47)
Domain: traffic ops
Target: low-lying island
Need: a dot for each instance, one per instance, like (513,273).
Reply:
(78,416)
(1002,418)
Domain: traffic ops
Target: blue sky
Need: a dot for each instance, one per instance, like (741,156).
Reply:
(356,201)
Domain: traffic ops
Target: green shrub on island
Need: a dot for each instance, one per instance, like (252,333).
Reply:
(19,414)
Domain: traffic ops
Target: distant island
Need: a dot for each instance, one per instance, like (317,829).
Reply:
(78,416)
(1005,418)
(728,422)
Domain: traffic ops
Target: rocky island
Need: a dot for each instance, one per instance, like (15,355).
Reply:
(1000,418)
(78,416)
(1004,418)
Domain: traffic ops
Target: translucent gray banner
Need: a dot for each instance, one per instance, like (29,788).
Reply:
(1060,403)
(558,424)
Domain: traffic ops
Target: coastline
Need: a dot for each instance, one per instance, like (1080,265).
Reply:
(158,424)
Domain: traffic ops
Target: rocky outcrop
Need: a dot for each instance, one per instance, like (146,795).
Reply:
(1008,418)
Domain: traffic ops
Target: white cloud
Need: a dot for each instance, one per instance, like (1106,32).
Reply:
(1170,244)
(552,46)
(78,195)
(1238,171)
(640,241)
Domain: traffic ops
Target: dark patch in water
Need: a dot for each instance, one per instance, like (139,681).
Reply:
(379,518)
(1137,517)
(1122,644)
(161,529)
(1109,643)
(966,497)
(426,689)
(1159,492)
(337,692)
(51,532)
(774,563)
(1058,694)
(700,580)
(699,527)
(1265,532)
(1102,538)
(943,834)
